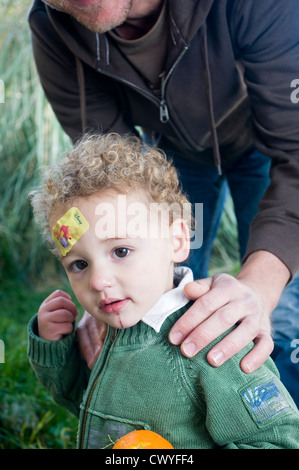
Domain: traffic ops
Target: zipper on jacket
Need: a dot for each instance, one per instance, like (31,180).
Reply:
(114,334)
(164,112)
(83,427)
(130,84)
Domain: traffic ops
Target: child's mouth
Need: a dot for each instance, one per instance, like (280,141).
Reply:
(113,305)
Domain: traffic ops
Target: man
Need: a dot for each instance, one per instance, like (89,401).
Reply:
(209,82)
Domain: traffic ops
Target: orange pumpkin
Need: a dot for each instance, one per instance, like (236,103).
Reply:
(142,439)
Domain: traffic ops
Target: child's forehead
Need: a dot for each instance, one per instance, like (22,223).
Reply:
(108,203)
(112,214)
(101,201)
(114,195)
(90,201)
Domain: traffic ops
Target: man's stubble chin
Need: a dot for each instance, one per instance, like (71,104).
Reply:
(96,18)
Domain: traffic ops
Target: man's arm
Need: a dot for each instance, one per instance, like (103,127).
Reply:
(265,38)
(223,301)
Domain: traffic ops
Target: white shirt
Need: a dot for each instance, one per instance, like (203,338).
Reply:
(170,301)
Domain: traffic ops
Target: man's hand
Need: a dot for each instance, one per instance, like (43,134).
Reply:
(91,336)
(223,301)
(56,316)
(220,302)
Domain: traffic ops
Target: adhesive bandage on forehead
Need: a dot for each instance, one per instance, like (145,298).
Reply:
(69,229)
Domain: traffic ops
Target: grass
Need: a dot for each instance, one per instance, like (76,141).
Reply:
(29,419)
(30,137)
(225,255)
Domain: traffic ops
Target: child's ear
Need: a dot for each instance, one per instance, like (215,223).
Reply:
(179,232)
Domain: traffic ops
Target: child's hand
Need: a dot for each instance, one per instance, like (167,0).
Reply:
(56,316)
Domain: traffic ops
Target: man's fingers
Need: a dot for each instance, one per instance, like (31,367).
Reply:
(97,334)
(226,303)
(212,327)
(196,289)
(209,302)
(231,344)
(91,336)
(85,345)
(256,357)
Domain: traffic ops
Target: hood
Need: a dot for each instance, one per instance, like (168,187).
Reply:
(189,23)
(186,19)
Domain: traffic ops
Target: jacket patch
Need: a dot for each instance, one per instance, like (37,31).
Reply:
(265,401)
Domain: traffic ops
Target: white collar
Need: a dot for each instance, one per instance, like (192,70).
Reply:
(170,301)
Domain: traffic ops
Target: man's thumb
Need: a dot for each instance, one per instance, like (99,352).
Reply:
(194,290)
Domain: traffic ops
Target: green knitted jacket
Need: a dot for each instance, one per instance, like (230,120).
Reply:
(141,381)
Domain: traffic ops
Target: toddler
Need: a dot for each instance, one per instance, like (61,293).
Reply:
(114,213)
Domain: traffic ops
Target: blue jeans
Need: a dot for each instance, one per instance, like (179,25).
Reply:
(285,320)
(246,181)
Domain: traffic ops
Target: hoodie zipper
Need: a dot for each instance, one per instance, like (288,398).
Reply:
(164,112)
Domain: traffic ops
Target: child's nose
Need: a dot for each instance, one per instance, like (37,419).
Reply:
(99,280)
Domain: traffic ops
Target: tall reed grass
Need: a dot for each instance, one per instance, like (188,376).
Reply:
(30,137)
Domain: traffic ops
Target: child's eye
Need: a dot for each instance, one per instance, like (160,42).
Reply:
(121,252)
(79,265)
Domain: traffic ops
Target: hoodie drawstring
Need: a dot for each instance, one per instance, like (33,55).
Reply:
(209,94)
(81,83)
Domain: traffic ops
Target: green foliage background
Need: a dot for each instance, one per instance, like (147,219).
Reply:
(31,137)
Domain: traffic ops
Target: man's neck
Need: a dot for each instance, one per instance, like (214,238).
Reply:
(143,16)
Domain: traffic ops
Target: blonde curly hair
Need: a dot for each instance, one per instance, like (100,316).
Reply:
(107,162)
